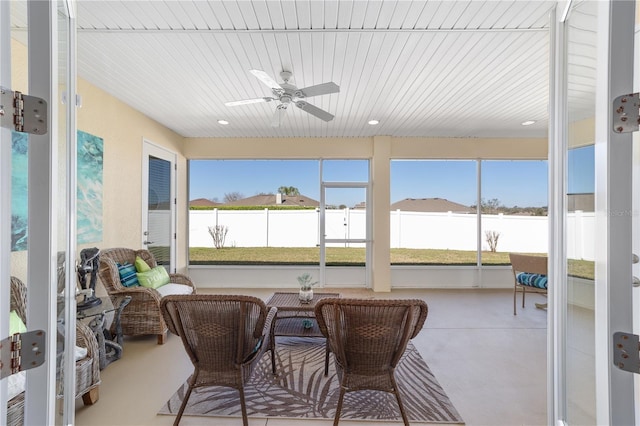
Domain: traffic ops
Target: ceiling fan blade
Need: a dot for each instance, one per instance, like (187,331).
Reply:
(314,110)
(266,79)
(319,89)
(248,101)
(277,115)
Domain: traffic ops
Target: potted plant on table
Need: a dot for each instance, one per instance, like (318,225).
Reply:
(306,287)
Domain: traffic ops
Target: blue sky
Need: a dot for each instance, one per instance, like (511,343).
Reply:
(514,183)
(581,168)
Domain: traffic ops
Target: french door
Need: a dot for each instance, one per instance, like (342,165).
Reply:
(37,221)
(159,204)
(594,58)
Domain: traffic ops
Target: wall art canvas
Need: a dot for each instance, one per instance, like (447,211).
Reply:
(89,177)
(89,180)
(19,185)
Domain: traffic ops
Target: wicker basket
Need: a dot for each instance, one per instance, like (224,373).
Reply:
(15,410)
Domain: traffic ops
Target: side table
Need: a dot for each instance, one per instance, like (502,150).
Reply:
(109,345)
(295,319)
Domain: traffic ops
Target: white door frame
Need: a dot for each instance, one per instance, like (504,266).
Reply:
(5,190)
(40,398)
(151,149)
(323,237)
(615,400)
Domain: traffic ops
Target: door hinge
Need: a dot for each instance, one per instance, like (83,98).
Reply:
(626,113)
(626,351)
(23,113)
(21,351)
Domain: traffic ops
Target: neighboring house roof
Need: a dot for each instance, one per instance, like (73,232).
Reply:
(202,202)
(430,205)
(276,200)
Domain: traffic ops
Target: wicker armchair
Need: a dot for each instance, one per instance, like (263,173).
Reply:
(529,274)
(142,315)
(87,368)
(224,336)
(368,338)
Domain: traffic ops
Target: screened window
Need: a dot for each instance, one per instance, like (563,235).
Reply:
(433,215)
(254,211)
(513,208)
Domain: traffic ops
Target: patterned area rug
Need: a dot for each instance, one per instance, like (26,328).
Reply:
(300,390)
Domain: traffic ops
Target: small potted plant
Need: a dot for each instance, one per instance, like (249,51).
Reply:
(306,287)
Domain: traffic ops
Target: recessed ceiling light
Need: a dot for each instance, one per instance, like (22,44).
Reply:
(528,123)
(223,122)
(373,122)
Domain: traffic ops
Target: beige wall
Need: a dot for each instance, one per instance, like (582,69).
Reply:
(400,148)
(582,133)
(123,129)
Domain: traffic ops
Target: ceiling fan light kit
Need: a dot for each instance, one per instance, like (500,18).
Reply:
(288,94)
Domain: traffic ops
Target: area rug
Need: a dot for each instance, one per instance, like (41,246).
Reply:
(300,390)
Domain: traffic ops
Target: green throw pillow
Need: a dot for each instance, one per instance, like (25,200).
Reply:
(141,265)
(15,324)
(154,278)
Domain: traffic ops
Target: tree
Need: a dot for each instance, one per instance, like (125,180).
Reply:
(490,206)
(288,190)
(219,234)
(492,239)
(232,196)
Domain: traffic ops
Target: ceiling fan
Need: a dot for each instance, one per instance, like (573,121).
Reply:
(289,94)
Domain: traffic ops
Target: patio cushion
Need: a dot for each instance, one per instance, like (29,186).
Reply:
(154,278)
(532,280)
(141,265)
(15,323)
(128,275)
(172,289)
(16,384)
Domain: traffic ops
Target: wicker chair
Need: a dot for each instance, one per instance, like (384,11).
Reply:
(87,369)
(368,338)
(142,315)
(224,336)
(529,274)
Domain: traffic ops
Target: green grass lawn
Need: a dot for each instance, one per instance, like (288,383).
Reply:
(337,256)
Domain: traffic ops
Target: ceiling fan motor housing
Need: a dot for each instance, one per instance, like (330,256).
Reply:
(287,92)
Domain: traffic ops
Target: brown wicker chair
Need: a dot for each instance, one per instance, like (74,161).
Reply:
(368,338)
(142,315)
(87,369)
(532,266)
(224,336)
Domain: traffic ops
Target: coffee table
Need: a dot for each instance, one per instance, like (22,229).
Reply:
(295,319)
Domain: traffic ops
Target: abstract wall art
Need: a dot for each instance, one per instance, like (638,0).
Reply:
(89,177)
(89,192)
(19,185)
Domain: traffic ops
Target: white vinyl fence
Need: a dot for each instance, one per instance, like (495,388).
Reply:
(300,228)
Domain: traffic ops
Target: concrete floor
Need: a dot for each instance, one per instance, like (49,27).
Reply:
(491,364)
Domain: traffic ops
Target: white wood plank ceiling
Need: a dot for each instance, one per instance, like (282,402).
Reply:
(422,68)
